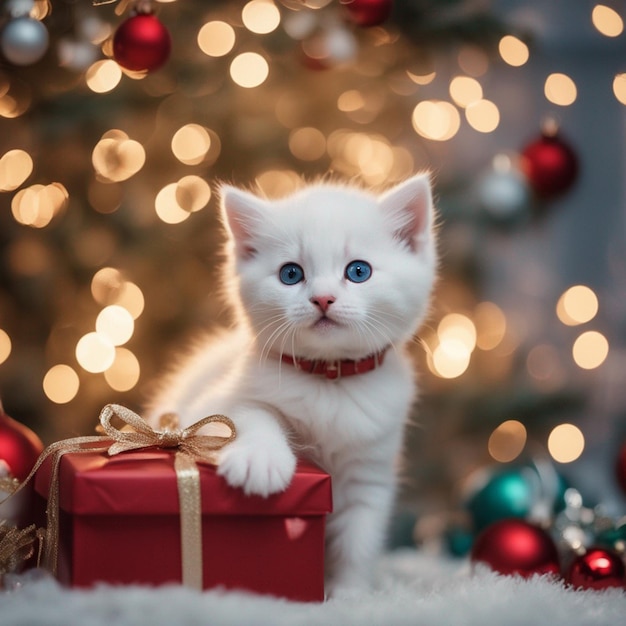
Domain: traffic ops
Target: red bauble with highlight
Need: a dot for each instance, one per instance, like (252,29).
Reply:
(368,12)
(141,43)
(598,568)
(551,166)
(20,447)
(514,546)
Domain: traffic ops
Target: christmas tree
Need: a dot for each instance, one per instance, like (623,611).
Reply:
(118,118)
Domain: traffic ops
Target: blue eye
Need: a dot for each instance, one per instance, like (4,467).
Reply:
(291,273)
(358,271)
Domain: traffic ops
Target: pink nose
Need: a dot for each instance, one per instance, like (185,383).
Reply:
(323,302)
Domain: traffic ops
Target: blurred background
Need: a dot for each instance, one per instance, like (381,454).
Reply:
(117,119)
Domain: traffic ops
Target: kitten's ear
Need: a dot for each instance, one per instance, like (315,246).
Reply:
(409,209)
(243,212)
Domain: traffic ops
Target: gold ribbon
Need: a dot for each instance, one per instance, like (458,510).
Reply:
(17,546)
(137,434)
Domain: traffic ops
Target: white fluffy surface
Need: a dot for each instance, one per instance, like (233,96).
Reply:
(413,589)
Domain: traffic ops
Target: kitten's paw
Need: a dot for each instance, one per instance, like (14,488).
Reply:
(258,469)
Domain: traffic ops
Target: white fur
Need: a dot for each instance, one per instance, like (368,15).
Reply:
(353,426)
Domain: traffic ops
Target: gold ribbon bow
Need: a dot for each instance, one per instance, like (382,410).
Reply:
(190,447)
(137,434)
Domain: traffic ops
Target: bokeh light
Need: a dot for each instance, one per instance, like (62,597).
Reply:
(566,443)
(131,298)
(590,350)
(457,327)
(490,324)
(192,193)
(513,51)
(116,324)
(577,305)
(350,101)
(191,144)
(361,106)
(607,20)
(455,342)
(61,384)
(125,371)
(95,353)
(216,38)
(5,345)
(507,441)
(103,76)
(176,201)
(260,16)
(15,99)
(15,167)
(307,144)
(106,285)
(619,87)
(167,207)
(37,205)
(450,359)
(483,115)
(436,119)
(116,157)
(422,79)
(560,89)
(249,69)
(465,90)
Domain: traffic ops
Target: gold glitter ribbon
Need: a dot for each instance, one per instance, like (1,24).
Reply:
(17,546)
(137,434)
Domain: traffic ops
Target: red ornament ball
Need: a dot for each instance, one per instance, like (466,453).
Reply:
(19,446)
(620,468)
(141,43)
(514,546)
(368,12)
(550,165)
(598,568)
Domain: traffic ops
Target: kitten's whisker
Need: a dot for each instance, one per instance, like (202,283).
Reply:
(376,327)
(417,340)
(277,326)
(275,336)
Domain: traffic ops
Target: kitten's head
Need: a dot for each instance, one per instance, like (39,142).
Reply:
(332,271)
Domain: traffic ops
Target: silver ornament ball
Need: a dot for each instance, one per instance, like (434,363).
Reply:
(24,41)
(503,192)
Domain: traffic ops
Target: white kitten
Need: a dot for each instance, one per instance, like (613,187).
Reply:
(331,273)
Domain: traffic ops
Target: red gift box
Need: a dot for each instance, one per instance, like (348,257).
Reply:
(119,523)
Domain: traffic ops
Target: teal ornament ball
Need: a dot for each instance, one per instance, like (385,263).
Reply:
(458,541)
(507,493)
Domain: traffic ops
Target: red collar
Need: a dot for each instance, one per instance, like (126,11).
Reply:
(339,368)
